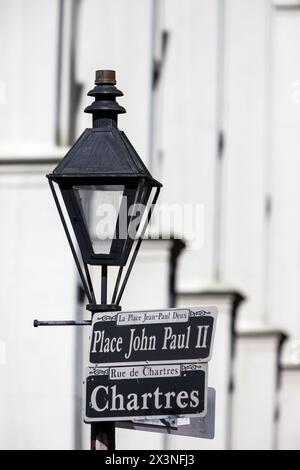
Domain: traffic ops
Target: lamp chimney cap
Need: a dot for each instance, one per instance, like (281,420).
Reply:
(105,77)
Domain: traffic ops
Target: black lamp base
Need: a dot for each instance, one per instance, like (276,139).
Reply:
(94,308)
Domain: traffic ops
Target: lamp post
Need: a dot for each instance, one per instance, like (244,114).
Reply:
(105,196)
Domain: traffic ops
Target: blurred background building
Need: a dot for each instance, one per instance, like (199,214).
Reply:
(212,92)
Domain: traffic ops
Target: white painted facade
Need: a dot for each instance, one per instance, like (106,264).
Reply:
(228,72)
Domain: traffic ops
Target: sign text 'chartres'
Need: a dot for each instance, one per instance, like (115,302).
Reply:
(117,393)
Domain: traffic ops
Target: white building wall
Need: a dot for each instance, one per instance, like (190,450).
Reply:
(37,281)
(28,71)
(118,35)
(288,429)
(247,50)
(186,150)
(284,269)
(255,390)
(254,100)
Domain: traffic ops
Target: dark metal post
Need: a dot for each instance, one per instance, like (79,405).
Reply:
(104,285)
(103,433)
(103,436)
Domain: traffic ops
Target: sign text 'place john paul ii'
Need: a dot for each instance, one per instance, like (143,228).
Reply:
(121,393)
(175,335)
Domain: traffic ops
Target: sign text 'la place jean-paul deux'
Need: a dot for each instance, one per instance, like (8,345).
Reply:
(149,364)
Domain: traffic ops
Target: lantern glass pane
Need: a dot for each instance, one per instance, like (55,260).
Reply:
(100,206)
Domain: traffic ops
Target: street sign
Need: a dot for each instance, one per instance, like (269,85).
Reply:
(121,393)
(203,428)
(154,336)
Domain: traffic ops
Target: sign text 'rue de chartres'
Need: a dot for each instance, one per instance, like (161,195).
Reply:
(149,364)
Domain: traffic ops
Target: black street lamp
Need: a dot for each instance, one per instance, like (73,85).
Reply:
(105,203)
(106,189)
